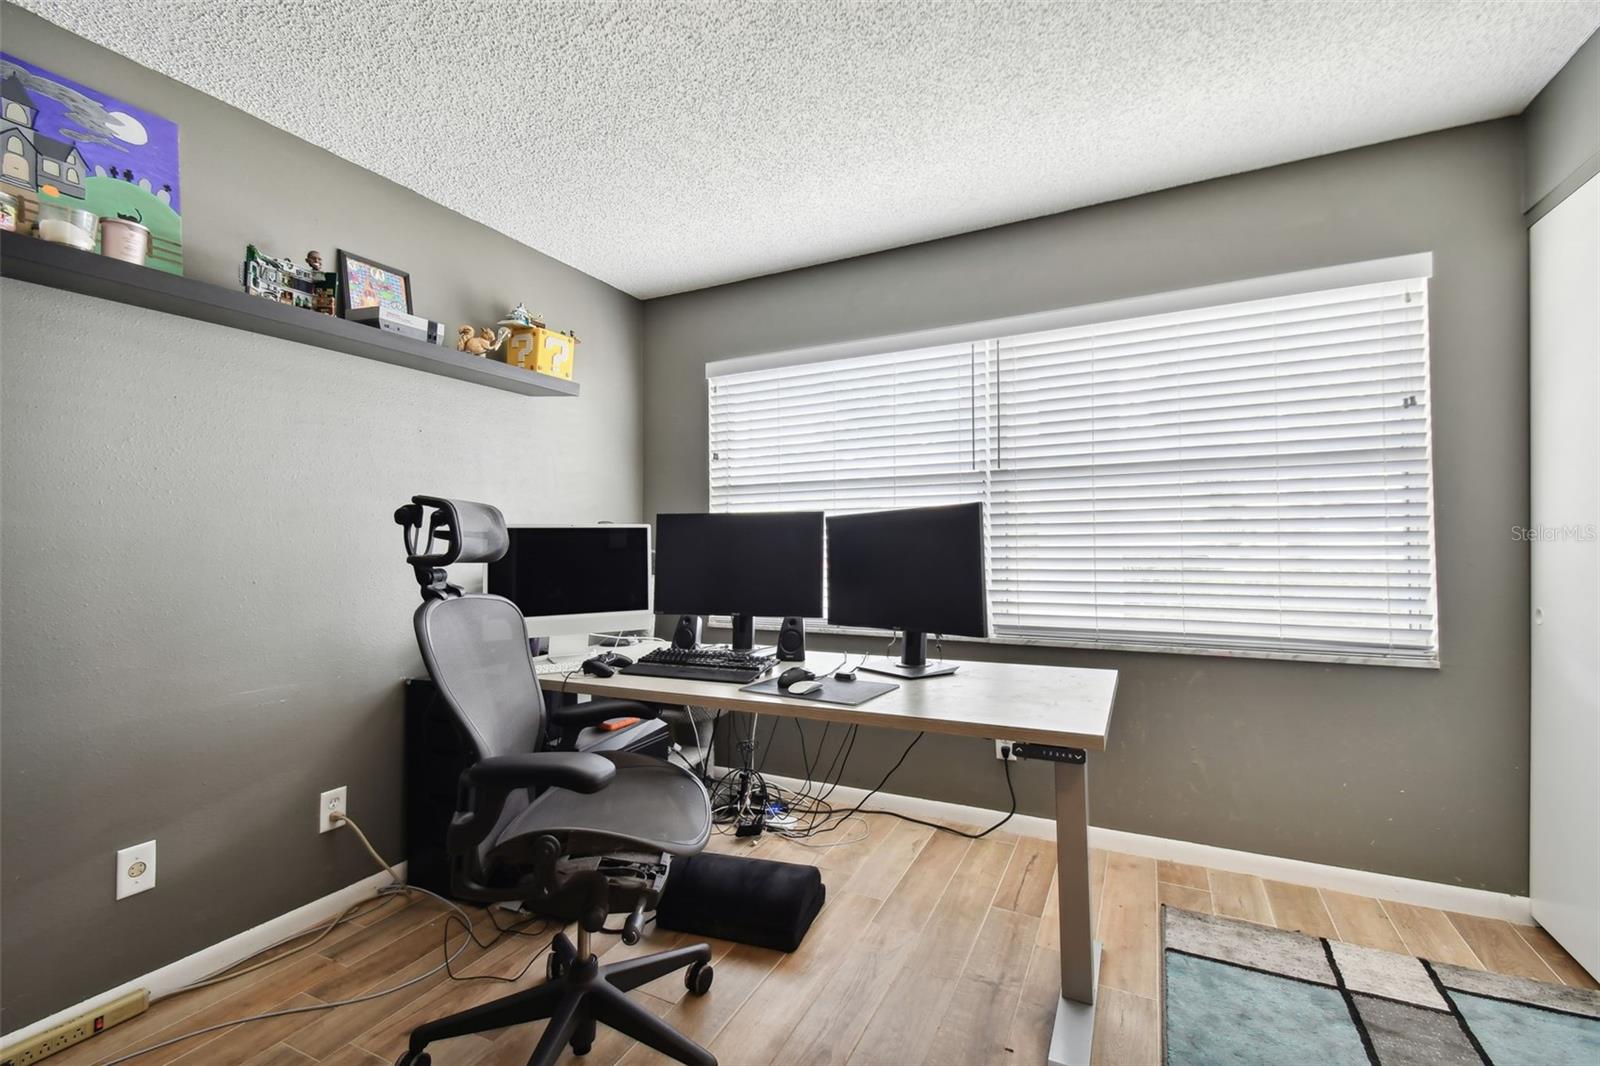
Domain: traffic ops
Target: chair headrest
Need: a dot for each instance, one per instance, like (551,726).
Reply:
(468,532)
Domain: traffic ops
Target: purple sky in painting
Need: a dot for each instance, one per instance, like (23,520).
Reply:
(156,160)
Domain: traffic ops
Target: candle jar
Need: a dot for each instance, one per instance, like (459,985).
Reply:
(123,239)
(66,225)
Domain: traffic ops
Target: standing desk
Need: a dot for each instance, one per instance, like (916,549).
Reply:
(1066,708)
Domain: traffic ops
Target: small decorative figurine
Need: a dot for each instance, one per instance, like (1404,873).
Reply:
(517,316)
(325,294)
(478,342)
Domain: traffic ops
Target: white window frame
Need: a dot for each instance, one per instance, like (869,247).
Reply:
(1396,268)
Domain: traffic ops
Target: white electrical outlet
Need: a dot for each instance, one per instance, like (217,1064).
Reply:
(330,803)
(136,869)
(1005,749)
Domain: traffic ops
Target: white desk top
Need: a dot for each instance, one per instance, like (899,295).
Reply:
(1001,701)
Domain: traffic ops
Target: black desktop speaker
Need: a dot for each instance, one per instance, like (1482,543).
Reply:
(687,633)
(792,640)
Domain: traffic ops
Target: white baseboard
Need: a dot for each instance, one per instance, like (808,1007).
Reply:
(225,953)
(1295,871)
(1458,898)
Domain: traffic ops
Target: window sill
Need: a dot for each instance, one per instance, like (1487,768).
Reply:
(1009,640)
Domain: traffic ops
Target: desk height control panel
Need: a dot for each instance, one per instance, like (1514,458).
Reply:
(1049,752)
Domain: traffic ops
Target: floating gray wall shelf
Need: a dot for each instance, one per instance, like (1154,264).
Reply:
(42,263)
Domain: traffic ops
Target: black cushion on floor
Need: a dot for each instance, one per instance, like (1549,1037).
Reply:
(749,901)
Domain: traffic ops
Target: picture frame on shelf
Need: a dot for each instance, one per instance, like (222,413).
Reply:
(366,282)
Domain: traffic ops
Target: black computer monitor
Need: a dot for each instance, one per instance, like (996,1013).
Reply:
(743,565)
(919,570)
(576,579)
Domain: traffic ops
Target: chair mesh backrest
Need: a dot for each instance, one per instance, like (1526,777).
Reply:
(476,650)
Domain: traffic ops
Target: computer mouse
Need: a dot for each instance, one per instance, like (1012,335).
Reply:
(844,675)
(793,676)
(804,688)
(596,668)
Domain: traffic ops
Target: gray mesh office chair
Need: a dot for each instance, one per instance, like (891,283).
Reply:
(577,835)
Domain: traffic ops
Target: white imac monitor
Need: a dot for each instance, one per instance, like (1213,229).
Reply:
(576,580)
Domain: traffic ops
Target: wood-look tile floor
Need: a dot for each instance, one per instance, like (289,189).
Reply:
(932,948)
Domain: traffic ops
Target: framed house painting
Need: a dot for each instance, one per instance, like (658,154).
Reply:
(65,142)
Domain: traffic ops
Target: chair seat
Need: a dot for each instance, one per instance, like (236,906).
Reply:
(650,805)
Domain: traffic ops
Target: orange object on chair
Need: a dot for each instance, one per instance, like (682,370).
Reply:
(619,723)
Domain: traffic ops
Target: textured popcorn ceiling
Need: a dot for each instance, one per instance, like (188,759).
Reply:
(664,146)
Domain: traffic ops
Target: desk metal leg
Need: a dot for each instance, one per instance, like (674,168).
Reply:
(1080,952)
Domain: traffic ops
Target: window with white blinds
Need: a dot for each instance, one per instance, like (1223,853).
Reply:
(903,429)
(1246,478)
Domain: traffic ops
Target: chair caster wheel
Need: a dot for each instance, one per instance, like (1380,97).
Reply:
(414,1058)
(554,968)
(697,979)
(580,1050)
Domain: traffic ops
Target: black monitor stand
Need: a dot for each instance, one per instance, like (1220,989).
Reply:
(744,632)
(744,635)
(913,659)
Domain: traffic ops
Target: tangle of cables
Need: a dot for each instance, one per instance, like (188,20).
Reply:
(743,799)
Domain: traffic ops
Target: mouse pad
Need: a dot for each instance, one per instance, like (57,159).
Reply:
(844,693)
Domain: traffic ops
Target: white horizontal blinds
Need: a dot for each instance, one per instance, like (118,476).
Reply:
(1252,477)
(903,429)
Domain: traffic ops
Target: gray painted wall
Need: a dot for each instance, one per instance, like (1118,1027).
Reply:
(205,614)
(1421,773)
(1563,130)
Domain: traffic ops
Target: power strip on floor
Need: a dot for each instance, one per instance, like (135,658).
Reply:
(76,1030)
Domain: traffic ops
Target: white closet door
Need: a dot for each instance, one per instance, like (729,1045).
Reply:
(1564,853)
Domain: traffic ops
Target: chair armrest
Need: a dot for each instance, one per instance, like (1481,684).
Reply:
(575,771)
(580,715)
(481,797)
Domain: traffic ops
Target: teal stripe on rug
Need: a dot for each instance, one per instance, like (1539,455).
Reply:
(1237,993)
(1513,1033)
(1224,1014)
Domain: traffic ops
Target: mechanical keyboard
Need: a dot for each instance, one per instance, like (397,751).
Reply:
(703,664)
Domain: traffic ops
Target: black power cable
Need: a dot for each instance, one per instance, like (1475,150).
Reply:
(861,808)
